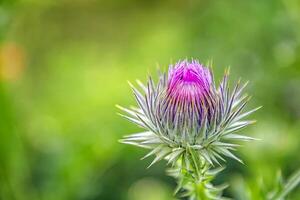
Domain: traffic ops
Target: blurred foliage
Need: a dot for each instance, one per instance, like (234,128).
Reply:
(64,65)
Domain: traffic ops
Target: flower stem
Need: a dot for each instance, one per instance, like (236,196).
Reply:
(194,177)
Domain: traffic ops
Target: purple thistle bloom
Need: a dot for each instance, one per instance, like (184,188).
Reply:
(188,80)
(189,94)
(185,110)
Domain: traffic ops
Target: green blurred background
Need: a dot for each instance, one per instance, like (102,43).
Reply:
(64,65)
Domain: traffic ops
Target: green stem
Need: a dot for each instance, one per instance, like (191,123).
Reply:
(194,177)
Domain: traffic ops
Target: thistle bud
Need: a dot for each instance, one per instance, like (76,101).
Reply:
(186,114)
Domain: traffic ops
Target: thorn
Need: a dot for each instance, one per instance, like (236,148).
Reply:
(227,71)
(118,106)
(259,107)
(249,98)
(130,84)
(239,80)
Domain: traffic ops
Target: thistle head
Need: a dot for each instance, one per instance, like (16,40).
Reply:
(185,113)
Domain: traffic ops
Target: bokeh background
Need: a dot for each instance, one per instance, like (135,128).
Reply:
(64,65)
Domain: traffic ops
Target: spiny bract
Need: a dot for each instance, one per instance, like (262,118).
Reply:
(186,113)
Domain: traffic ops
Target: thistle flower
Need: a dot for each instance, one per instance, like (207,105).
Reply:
(187,117)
